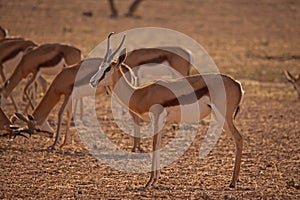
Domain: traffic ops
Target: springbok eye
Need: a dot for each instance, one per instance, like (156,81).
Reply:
(105,71)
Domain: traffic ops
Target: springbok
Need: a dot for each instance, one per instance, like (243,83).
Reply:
(64,82)
(48,57)
(294,81)
(62,85)
(11,52)
(157,99)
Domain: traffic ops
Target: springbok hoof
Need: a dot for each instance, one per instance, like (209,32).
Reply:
(52,147)
(141,150)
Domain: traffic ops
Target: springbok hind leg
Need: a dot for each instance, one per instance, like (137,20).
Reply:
(155,168)
(26,91)
(137,135)
(238,139)
(231,130)
(68,122)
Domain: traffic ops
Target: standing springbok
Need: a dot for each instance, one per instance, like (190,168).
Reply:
(294,81)
(48,57)
(156,98)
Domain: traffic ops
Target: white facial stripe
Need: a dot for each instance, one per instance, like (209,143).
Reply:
(96,79)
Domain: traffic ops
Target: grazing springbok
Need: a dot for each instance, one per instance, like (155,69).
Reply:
(50,58)
(155,98)
(64,82)
(62,85)
(11,52)
(294,81)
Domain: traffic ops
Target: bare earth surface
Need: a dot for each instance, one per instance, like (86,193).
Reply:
(252,41)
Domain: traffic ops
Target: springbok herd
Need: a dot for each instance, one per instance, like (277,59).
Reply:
(24,59)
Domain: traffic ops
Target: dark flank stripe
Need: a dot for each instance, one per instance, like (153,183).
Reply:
(187,98)
(158,59)
(11,55)
(52,62)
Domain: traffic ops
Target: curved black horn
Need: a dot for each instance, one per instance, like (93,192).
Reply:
(118,48)
(108,51)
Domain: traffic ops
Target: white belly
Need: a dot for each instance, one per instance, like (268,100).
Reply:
(189,113)
(11,64)
(86,90)
(151,72)
(53,70)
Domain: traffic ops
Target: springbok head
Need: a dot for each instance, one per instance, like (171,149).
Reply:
(44,130)
(293,80)
(105,66)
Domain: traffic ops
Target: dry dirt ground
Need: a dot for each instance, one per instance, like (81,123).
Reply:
(252,41)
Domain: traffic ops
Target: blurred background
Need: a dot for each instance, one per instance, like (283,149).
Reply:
(248,39)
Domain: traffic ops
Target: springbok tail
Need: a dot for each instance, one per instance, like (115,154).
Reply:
(237,111)
(191,60)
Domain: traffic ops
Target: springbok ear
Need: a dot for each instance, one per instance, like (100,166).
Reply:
(6,83)
(21,117)
(13,119)
(122,57)
(29,49)
(30,117)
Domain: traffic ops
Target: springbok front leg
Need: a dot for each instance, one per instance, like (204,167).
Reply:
(2,73)
(137,134)
(3,77)
(155,168)
(26,91)
(43,82)
(76,105)
(60,115)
